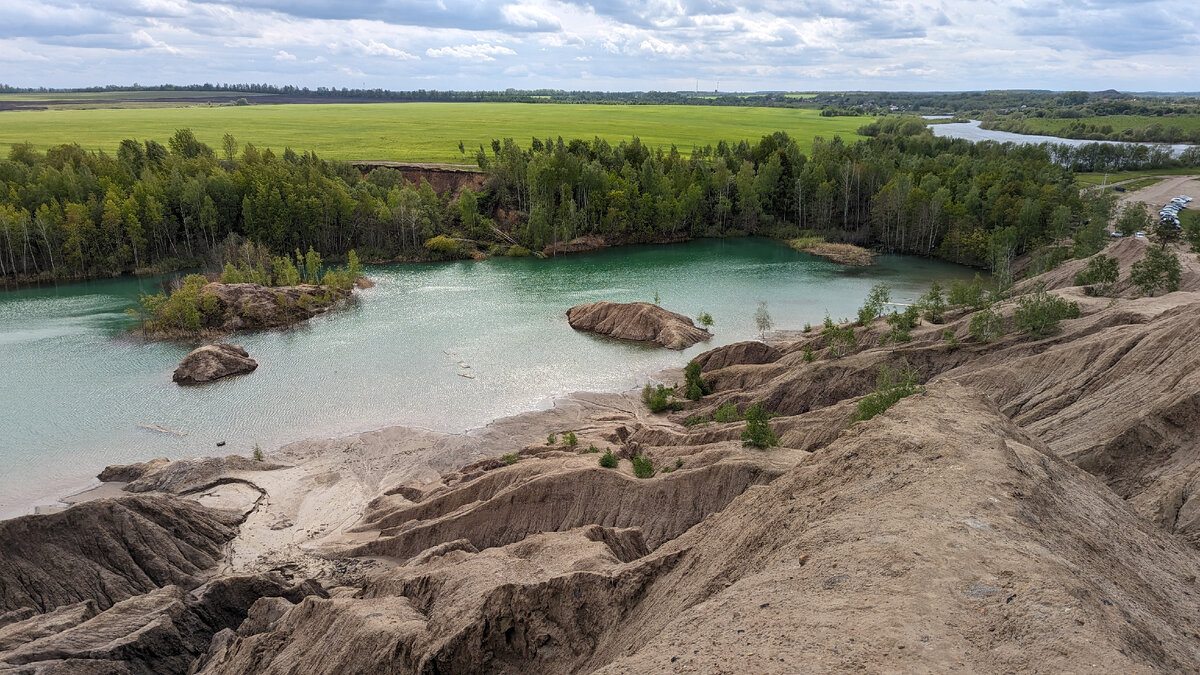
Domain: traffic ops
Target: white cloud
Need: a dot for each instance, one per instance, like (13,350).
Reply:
(374,48)
(282,55)
(476,52)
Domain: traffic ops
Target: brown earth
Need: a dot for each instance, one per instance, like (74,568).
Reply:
(637,321)
(843,254)
(1033,509)
(213,362)
(445,179)
(576,245)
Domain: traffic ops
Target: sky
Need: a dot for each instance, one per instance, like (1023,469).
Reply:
(625,45)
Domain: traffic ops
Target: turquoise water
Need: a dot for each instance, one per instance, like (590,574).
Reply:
(74,386)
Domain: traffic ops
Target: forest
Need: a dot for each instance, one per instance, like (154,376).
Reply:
(70,214)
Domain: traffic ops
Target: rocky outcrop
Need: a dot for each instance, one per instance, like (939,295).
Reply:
(637,321)
(577,245)
(252,307)
(184,476)
(750,352)
(163,631)
(213,362)
(108,550)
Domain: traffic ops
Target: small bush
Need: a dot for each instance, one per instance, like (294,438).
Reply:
(705,319)
(696,388)
(551,439)
(643,467)
(809,354)
(694,420)
(570,439)
(258,453)
(1038,313)
(758,431)
(951,339)
(839,340)
(443,246)
(592,448)
(902,324)
(678,463)
(658,399)
(510,458)
(608,460)
(518,251)
(726,413)
(891,385)
(986,325)
(1099,275)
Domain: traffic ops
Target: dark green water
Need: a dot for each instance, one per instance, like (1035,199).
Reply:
(73,387)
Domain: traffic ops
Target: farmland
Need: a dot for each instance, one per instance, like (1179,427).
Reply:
(425,132)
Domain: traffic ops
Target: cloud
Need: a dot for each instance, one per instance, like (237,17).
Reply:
(477,52)
(625,44)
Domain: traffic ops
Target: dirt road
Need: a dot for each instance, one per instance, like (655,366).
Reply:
(1160,194)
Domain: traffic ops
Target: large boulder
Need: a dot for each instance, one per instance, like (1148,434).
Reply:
(749,352)
(212,362)
(637,321)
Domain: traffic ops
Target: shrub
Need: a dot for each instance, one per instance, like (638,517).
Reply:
(443,246)
(258,453)
(643,467)
(608,460)
(986,325)
(902,324)
(592,448)
(728,412)
(1160,268)
(758,431)
(933,305)
(1100,274)
(872,308)
(658,399)
(510,458)
(891,385)
(762,319)
(518,251)
(951,339)
(839,340)
(679,463)
(570,439)
(969,295)
(807,328)
(696,387)
(705,319)
(809,355)
(551,439)
(1038,313)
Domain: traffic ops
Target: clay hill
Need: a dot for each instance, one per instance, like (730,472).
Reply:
(638,322)
(1031,508)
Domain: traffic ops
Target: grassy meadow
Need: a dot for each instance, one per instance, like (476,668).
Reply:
(1054,126)
(420,132)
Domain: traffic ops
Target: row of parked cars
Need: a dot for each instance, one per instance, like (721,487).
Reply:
(1169,215)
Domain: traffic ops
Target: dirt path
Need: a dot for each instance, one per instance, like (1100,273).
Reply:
(1160,193)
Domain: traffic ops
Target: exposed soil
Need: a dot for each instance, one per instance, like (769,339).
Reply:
(1033,509)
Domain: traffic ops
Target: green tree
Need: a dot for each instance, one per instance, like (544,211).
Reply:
(758,432)
(933,304)
(986,325)
(762,319)
(1038,312)
(696,387)
(1100,274)
(1158,269)
(872,308)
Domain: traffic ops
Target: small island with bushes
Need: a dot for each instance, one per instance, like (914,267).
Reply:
(255,290)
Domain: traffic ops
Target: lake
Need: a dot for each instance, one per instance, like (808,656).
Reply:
(75,385)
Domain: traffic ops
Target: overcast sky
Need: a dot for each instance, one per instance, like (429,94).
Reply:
(745,45)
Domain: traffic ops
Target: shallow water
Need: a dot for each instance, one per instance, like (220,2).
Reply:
(74,386)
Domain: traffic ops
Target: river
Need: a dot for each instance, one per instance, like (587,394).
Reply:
(75,385)
(971,131)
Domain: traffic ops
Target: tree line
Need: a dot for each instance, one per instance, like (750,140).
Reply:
(68,213)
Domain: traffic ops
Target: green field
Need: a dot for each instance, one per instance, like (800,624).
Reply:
(1119,123)
(421,132)
(117,96)
(1097,178)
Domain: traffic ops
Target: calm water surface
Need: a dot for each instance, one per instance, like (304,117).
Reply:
(972,131)
(74,386)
